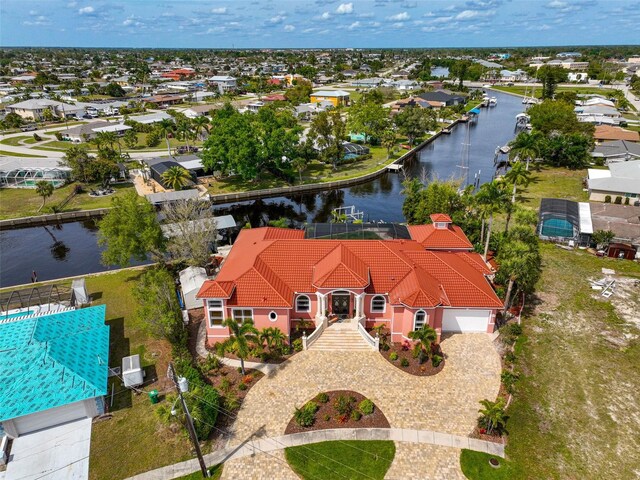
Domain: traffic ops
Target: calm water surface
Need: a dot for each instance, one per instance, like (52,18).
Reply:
(72,249)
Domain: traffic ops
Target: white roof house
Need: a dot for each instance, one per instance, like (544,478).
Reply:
(621,180)
(151,117)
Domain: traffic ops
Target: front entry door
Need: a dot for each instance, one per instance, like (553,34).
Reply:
(340,304)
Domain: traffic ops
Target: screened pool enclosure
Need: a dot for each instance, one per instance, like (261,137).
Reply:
(26,172)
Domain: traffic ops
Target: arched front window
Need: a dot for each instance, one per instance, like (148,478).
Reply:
(378,304)
(419,319)
(303,304)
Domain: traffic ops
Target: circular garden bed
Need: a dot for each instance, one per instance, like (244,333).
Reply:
(402,356)
(337,409)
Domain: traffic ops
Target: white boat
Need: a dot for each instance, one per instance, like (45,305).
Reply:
(522,119)
(493,101)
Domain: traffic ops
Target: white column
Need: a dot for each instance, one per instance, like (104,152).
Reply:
(359,305)
(319,311)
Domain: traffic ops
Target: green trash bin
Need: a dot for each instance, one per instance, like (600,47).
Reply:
(153,396)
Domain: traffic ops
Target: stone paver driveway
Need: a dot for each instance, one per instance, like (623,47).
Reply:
(446,402)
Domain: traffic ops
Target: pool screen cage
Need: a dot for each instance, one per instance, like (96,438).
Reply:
(353,149)
(357,231)
(559,219)
(28,177)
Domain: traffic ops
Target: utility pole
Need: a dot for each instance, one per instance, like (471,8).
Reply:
(192,432)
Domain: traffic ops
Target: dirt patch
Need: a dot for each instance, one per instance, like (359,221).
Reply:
(626,298)
(405,361)
(328,417)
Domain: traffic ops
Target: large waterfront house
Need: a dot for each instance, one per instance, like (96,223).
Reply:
(277,276)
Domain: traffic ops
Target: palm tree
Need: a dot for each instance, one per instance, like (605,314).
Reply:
(526,145)
(45,190)
(492,198)
(200,123)
(388,140)
(493,416)
(176,177)
(424,338)
(184,130)
(273,338)
(518,175)
(240,336)
(165,127)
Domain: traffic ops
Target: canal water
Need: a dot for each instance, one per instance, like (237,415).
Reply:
(72,249)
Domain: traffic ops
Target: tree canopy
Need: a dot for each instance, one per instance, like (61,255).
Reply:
(329,129)
(369,118)
(414,121)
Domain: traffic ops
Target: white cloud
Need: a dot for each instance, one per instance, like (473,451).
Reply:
(374,24)
(557,4)
(398,25)
(354,25)
(33,13)
(471,14)
(219,11)
(325,16)
(400,17)
(277,19)
(86,10)
(132,21)
(344,8)
(39,21)
(289,28)
(365,15)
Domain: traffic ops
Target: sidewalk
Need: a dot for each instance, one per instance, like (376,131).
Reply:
(262,445)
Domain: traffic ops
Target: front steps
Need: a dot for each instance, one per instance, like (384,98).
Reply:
(340,337)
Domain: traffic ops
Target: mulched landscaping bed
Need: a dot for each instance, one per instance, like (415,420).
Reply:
(414,368)
(376,420)
(489,438)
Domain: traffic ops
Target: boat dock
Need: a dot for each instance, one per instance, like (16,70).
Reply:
(394,167)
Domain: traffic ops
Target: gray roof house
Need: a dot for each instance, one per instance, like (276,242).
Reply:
(617,151)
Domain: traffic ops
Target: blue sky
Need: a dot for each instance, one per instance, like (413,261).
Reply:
(317,23)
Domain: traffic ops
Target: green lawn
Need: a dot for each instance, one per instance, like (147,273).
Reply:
(317,172)
(475,466)
(24,202)
(576,411)
(12,154)
(549,182)
(354,460)
(133,441)
(15,141)
(521,90)
(215,473)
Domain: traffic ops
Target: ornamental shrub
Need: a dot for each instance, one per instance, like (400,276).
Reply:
(393,356)
(607,199)
(626,201)
(356,415)
(366,407)
(618,200)
(306,416)
(404,362)
(297,345)
(323,397)
(343,405)
(436,360)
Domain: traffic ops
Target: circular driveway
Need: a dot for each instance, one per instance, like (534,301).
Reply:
(446,402)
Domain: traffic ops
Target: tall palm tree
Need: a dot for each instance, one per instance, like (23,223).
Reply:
(176,177)
(492,197)
(518,175)
(493,417)
(241,335)
(273,338)
(184,130)
(45,190)
(200,124)
(526,145)
(165,127)
(424,338)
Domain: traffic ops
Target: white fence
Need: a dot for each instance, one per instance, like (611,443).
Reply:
(308,341)
(374,343)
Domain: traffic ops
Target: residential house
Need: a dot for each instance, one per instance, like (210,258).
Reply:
(405,85)
(604,133)
(443,98)
(336,97)
(89,131)
(224,83)
(622,179)
(179,74)
(160,101)
(34,108)
(578,77)
(201,110)
(151,117)
(409,102)
(513,75)
(617,151)
(276,276)
(368,82)
(53,369)
(598,115)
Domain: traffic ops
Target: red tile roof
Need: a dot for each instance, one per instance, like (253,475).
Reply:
(267,266)
(434,238)
(440,217)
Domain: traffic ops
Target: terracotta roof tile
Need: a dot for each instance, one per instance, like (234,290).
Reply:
(439,238)
(440,217)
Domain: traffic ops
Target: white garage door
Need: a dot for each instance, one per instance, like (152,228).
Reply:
(48,418)
(454,320)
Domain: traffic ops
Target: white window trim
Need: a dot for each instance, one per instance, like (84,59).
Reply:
(215,309)
(426,318)
(298,298)
(274,313)
(233,312)
(384,308)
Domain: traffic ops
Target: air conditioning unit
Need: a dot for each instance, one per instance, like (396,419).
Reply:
(132,373)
